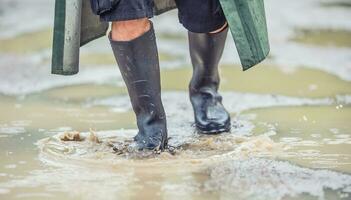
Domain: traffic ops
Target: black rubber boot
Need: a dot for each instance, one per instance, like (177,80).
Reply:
(138,62)
(206,50)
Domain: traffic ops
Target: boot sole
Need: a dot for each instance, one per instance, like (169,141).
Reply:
(202,130)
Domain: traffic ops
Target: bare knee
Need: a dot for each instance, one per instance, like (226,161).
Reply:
(130,29)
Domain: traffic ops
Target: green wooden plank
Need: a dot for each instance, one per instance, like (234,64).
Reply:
(58,37)
(247,22)
(258,11)
(91,26)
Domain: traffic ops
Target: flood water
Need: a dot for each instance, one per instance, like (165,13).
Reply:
(291,115)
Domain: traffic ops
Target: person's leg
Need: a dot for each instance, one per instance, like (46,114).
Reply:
(134,46)
(132,39)
(207,35)
(130,29)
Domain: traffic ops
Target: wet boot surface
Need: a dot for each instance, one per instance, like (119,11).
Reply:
(206,50)
(138,62)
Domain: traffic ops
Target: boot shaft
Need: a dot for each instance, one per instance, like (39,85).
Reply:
(138,63)
(206,50)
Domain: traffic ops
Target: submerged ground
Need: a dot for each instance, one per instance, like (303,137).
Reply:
(291,115)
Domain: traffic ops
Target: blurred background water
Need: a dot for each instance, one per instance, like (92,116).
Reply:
(291,114)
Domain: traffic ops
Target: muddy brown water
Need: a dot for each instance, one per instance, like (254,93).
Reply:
(290,136)
(276,142)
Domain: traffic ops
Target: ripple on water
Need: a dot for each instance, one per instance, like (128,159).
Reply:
(113,147)
(11,130)
(233,165)
(4,191)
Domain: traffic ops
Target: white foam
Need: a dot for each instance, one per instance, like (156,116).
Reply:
(344,99)
(178,102)
(24,75)
(11,130)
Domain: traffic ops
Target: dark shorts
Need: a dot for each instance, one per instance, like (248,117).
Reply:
(199,16)
(128,10)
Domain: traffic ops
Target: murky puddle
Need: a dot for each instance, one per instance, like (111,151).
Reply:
(316,136)
(276,142)
(290,137)
(324,37)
